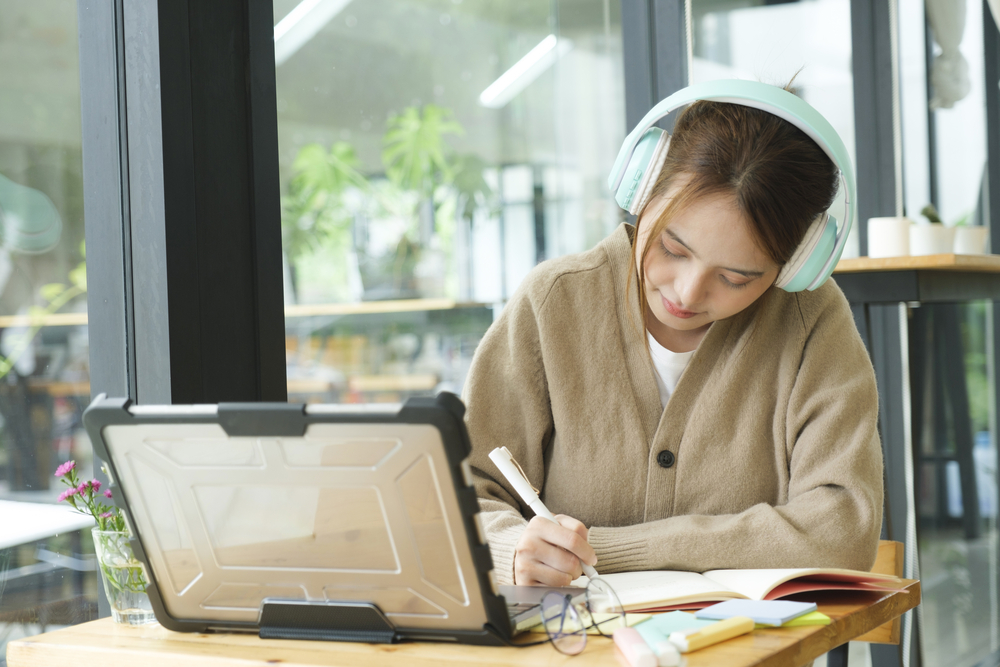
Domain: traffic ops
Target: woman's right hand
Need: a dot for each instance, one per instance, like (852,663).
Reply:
(549,554)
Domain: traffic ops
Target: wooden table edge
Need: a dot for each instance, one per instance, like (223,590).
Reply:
(942,262)
(122,646)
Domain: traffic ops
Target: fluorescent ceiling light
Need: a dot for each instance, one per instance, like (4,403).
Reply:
(524,71)
(301,24)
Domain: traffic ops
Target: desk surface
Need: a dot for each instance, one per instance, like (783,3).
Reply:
(945,262)
(106,644)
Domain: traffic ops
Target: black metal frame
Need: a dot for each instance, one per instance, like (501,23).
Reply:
(182,200)
(654,38)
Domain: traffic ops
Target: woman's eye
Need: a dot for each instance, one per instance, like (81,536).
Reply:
(733,285)
(666,251)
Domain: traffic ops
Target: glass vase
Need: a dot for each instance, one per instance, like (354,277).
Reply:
(124,580)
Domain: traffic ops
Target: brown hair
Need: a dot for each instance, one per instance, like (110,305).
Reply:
(778,178)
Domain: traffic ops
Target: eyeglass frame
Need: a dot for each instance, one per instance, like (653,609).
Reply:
(571,607)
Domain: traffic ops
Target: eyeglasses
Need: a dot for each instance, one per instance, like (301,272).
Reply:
(567,619)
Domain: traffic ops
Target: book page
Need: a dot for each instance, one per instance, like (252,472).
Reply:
(755,584)
(637,590)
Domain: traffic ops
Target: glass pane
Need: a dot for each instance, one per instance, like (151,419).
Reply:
(955,423)
(956,465)
(47,573)
(809,41)
(431,153)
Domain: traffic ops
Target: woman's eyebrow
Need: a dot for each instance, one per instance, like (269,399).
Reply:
(742,272)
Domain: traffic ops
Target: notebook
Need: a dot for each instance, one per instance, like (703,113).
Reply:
(344,522)
(662,590)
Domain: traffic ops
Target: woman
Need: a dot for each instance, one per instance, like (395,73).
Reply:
(674,408)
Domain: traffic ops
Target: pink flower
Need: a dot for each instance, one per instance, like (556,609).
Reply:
(65,468)
(107,515)
(95,485)
(66,494)
(107,493)
(82,489)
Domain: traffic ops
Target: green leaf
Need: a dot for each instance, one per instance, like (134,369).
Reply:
(414,151)
(52,291)
(78,276)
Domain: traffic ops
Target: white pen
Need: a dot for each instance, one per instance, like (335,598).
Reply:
(512,471)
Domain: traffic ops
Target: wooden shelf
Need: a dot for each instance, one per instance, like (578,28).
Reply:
(944,262)
(373,307)
(424,382)
(302,310)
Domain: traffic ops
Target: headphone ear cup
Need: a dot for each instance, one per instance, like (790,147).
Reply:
(810,257)
(644,191)
(648,157)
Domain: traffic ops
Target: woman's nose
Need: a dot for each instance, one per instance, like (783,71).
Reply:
(691,288)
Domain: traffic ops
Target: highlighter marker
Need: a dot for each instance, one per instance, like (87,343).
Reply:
(634,648)
(667,654)
(696,638)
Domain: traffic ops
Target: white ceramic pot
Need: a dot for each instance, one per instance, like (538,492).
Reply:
(889,237)
(971,240)
(931,239)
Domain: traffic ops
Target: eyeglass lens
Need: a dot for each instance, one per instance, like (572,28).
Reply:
(562,624)
(606,612)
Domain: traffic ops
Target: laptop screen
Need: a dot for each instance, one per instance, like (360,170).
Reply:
(234,505)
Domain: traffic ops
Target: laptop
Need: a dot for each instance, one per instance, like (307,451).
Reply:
(340,522)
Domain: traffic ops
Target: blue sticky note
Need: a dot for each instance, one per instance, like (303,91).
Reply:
(765,612)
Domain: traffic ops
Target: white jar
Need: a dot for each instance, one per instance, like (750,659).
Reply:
(889,237)
(971,240)
(931,239)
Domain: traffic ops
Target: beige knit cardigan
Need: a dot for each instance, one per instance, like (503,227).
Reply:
(772,425)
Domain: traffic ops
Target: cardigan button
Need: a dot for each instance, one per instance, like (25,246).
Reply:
(665,458)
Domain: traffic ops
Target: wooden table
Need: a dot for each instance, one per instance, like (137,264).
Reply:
(103,643)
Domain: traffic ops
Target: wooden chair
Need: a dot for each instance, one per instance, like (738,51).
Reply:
(888,561)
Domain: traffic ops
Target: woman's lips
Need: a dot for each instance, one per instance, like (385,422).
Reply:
(675,311)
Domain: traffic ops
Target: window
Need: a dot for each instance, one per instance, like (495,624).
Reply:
(431,153)
(45,580)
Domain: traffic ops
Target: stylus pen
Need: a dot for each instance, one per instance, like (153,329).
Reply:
(512,471)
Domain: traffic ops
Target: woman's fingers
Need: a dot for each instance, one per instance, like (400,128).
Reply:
(550,554)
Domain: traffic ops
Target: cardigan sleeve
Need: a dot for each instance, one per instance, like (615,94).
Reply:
(507,405)
(833,512)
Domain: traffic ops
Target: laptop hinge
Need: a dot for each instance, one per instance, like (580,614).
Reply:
(325,620)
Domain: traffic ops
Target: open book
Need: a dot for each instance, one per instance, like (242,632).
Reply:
(666,589)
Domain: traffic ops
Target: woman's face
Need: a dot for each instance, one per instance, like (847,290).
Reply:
(704,267)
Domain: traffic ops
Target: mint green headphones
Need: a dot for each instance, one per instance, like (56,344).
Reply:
(645,150)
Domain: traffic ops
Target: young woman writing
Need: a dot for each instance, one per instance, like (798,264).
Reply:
(675,407)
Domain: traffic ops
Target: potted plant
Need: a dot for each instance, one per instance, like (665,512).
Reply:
(123,575)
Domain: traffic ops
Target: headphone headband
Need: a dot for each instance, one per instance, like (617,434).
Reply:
(771,99)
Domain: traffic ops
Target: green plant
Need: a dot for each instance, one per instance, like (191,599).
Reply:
(313,212)
(56,295)
(414,151)
(85,498)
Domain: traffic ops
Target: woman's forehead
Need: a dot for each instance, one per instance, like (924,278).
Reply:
(713,227)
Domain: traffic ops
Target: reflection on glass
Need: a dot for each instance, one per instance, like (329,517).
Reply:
(956,464)
(44,369)
(392,601)
(431,153)
(165,518)
(296,527)
(431,535)
(248,597)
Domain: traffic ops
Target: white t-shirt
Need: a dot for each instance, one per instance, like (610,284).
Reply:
(669,366)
